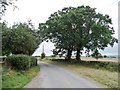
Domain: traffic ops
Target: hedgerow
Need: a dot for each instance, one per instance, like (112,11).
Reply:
(111,66)
(21,62)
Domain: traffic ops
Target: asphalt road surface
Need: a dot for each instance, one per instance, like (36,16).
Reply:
(52,76)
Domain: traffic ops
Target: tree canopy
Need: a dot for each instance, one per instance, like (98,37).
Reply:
(76,29)
(19,39)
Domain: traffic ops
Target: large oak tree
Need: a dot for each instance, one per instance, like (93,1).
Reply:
(76,29)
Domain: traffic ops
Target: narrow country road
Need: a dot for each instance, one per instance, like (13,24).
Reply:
(52,76)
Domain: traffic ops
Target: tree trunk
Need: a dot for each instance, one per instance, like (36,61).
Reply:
(78,55)
(69,54)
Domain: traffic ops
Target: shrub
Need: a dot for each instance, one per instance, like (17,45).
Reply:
(112,66)
(33,61)
(21,62)
(105,56)
(42,55)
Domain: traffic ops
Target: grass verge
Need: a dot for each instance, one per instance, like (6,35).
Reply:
(18,79)
(105,77)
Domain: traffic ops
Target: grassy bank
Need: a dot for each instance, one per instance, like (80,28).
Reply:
(18,79)
(101,75)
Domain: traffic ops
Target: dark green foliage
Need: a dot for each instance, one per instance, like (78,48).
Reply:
(19,39)
(112,66)
(76,29)
(105,56)
(33,61)
(21,62)
(96,54)
(42,55)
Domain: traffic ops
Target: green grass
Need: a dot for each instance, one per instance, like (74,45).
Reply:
(105,77)
(17,79)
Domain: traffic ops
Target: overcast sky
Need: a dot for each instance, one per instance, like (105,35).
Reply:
(39,11)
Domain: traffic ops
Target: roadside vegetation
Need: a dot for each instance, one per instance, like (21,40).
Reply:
(105,73)
(72,29)
(18,70)
(18,44)
(82,29)
(18,79)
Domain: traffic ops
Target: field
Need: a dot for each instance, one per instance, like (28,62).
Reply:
(100,59)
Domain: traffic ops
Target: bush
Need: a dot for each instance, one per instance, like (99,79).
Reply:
(42,55)
(33,61)
(21,62)
(111,66)
(105,56)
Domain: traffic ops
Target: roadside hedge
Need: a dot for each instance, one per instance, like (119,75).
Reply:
(111,66)
(21,62)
